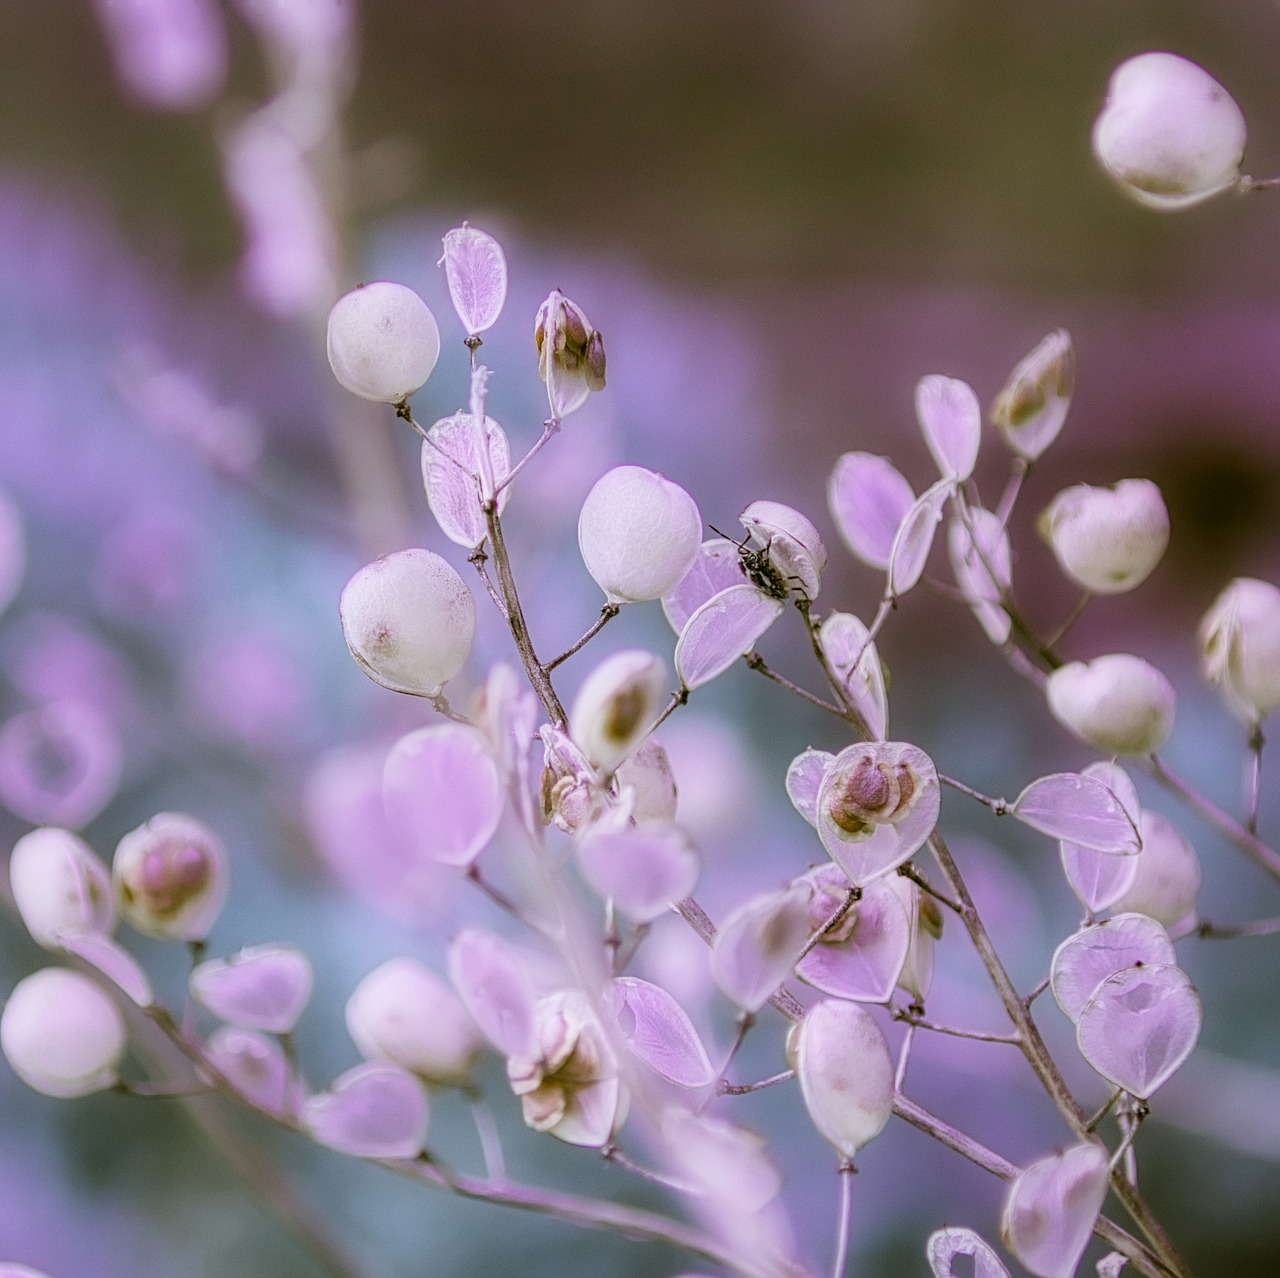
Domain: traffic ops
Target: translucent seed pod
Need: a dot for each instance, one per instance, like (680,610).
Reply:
(1030,409)
(1119,703)
(476,269)
(60,886)
(793,550)
(617,706)
(1166,882)
(1240,647)
(383,341)
(408,620)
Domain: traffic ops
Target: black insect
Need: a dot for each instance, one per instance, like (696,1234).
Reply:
(759,569)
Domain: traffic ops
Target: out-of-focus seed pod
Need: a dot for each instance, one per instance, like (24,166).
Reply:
(170,877)
(1030,409)
(617,705)
(1240,647)
(383,341)
(1119,703)
(59,886)
(1167,877)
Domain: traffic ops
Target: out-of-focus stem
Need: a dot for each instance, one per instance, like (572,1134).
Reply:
(1253,779)
(607,614)
(847,1170)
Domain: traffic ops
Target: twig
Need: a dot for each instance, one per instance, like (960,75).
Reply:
(726,1088)
(851,898)
(495,1164)
(607,614)
(1253,778)
(549,428)
(1259,927)
(911,1017)
(477,558)
(999,806)
(1069,620)
(909,871)
(505,903)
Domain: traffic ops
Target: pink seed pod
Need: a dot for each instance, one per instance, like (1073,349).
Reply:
(383,341)
(476,269)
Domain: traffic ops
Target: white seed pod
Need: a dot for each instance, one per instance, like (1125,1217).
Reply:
(477,272)
(1167,880)
(617,705)
(791,542)
(61,1034)
(1240,647)
(1032,406)
(1107,539)
(60,886)
(1169,133)
(408,620)
(845,1071)
(1119,703)
(170,877)
(404,1013)
(639,534)
(383,341)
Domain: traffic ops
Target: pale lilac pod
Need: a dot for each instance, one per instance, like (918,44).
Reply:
(617,706)
(571,359)
(658,1030)
(914,540)
(868,499)
(861,957)
(476,269)
(877,804)
(925,918)
(759,943)
(1169,133)
(568,1083)
(944,1245)
(804,780)
(13,551)
(1139,1026)
(263,987)
(716,567)
(1118,704)
(1032,406)
(646,773)
(256,1067)
(950,419)
(1240,647)
(404,1013)
(1167,880)
(847,645)
(845,1073)
(171,877)
(1051,1207)
(111,960)
(60,886)
(723,629)
(61,1034)
(1099,950)
(728,1162)
(639,534)
(507,713)
(89,757)
(408,620)
(169,53)
(1107,540)
(1080,809)
(983,567)
(442,793)
(491,979)
(373,1111)
(644,871)
(383,342)
(791,543)
(450,470)
(1099,879)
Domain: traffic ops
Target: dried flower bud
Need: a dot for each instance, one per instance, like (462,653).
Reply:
(61,1034)
(59,886)
(617,705)
(1240,643)
(639,534)
(1031,408)
(570,354)
(1107,539)
(1119,704)
(170,877)
(1169,133)
(408,620)
(383,342)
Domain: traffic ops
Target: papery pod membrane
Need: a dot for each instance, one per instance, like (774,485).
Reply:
(1051,1207)
(804,780)
(729,1163)
(476,269)
(862,956)
(643,871)
(489,976)
(506,712)
(442,792)
(1240,647)
(851,653)
(1099,879)
(759,943)
(917,969)
(845,1073)
(1100,950)
(877,804)
(647,774)
(983,567)
(914,540)
(658,1030)
(1079,809)
(1139,1026)
(1167,880)
(1032,407)
(113,961)
(372,1111)
(868,499)
(717,567)
(255,1066)
(725,628)
(791,542)
(950,419)
(945,1245)
(617,706)
(1111,1264)
(60,886)
(264,987)
(450,470)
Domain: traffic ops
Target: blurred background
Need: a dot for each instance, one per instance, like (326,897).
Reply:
(781,215)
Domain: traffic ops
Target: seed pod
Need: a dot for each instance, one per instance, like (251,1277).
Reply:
(59,886)
(1107,539)
(1119,703)
(1240,646)
(617,705)
(170,877)
(383,341)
